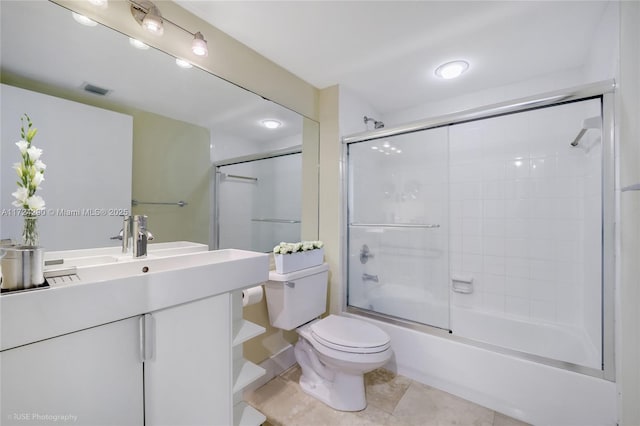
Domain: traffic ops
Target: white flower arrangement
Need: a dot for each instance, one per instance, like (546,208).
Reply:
(30,173)
(288,248)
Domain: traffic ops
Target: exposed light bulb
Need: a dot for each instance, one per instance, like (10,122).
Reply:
(152,21)
(81,19)
(199,45)
(452,69)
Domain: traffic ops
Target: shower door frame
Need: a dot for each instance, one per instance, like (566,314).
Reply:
(605,90)
(214,237)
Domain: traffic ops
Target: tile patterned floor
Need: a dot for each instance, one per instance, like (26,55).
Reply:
(392,400)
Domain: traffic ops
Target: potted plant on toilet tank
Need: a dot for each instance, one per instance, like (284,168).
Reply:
(291,257)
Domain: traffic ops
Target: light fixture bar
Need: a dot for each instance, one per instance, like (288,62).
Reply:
(142,7)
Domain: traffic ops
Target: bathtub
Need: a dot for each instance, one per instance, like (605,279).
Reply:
(521,388)
(552,341)
(556,342)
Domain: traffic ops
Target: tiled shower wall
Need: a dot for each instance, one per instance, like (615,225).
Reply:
(525,215)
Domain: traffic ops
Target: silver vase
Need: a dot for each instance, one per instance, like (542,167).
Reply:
(22,267)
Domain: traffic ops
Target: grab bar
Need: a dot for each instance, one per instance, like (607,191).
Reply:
(398,225)
(276,220)
(179,203)
(224,176)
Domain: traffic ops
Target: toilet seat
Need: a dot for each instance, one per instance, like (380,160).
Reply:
(349,335)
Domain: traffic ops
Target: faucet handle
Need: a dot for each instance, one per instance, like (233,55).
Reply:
(119,236)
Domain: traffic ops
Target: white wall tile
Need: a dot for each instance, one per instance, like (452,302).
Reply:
(519,306)
(493,227)
(493,301)
(493,246)
(518,267)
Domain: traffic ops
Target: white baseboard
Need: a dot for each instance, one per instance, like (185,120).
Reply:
(275,365)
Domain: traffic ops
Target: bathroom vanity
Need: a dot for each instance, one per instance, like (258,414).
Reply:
(132,341)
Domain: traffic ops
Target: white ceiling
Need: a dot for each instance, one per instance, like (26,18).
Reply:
(386,51)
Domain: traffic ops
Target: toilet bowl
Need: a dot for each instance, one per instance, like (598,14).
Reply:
(334,353)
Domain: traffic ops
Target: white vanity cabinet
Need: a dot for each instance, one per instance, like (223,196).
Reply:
(193,374)
(93,376)
(187,364)
(156,342)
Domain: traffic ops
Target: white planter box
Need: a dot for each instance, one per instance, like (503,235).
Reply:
(286,263)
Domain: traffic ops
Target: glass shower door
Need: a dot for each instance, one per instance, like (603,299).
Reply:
(398,227)
(259,203)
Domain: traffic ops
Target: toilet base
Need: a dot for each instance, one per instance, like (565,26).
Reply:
(345,393)
(339,390)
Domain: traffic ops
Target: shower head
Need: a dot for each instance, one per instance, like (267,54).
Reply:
(587,123)
(376,124)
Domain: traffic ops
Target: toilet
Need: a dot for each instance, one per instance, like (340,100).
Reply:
(333,352)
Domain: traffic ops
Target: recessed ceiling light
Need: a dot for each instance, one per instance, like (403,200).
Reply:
(138,44)
(183,64)
(271,124)
(386,144)
(374,147)
(452,69)
(99,3)
(81,19)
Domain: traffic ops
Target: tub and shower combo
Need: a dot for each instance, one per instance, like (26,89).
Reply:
(483,243)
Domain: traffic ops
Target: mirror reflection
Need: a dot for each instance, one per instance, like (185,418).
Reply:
(119,121)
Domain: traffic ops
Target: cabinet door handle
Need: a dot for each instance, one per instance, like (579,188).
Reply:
(147,333)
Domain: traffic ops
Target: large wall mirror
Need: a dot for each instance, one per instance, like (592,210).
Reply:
(153,137)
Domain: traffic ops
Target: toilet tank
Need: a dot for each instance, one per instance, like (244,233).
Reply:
(297,297)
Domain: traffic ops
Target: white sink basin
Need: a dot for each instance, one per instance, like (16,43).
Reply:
(154,264)
(104,289)
(106,255)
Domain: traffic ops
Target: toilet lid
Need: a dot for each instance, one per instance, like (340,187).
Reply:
(349,335)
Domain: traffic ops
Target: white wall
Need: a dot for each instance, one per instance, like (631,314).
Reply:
(87,151)
(352,112)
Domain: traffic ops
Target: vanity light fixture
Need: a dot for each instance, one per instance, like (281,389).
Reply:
(148,15)
(199,45)
(152,20)
(183,64)
(271,124)
(81,19)
(137,44)
(452,69)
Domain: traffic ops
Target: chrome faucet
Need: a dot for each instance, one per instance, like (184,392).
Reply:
(140,235)
(125,234)
(134,233)
(369,277)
